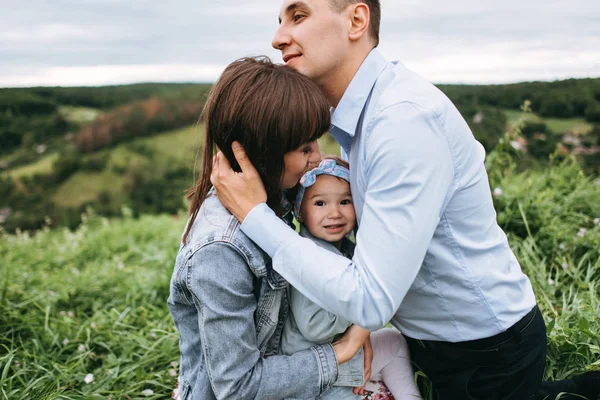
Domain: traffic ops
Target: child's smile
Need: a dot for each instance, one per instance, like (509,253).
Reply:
(327,210)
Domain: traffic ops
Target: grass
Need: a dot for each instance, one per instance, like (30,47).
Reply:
(557,125)
(79,115)
(93,301)
(42,166)
(174,147)
(83,187)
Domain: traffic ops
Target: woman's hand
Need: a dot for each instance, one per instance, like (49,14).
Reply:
(239,192)
(368,365)
(348,345)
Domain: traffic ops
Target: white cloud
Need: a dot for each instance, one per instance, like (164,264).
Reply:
(111,74)
(95,42)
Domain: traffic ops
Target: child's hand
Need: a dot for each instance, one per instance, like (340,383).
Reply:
(368,350)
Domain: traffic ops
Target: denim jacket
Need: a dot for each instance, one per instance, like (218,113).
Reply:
(308,324)
(229,306)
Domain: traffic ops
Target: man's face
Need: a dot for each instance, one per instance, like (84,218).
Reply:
(312,37)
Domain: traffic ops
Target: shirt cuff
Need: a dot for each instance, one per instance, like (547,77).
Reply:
(267,230)
(328,366)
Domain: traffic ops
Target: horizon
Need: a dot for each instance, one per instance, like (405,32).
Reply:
(212,83)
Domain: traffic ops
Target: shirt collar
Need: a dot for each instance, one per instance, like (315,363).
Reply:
(346,115)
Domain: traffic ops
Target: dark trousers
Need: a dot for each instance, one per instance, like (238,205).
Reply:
(509,365)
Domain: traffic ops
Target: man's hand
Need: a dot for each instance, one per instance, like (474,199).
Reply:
(368,349)
(239,192)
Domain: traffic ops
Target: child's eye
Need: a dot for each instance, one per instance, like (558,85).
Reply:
(346,202)
(319,203)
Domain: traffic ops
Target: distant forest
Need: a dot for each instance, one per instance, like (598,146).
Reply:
(72,136)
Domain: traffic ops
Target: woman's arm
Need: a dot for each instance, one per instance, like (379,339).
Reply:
(223,290)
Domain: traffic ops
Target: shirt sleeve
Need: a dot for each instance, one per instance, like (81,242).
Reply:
(409,170)
(224,296)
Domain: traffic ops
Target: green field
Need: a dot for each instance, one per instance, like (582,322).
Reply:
(41,166)
(557,125)
(93,300)
(175,147)
(83,187)
(79,115)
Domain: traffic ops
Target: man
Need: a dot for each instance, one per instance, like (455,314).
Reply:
(430,257)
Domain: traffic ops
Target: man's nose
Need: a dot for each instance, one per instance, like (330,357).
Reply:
(281,39)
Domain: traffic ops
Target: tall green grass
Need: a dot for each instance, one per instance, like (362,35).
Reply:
(93,300)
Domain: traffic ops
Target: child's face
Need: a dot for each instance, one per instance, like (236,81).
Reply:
(327,210)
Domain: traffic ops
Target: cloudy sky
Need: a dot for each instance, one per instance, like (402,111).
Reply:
(98,42)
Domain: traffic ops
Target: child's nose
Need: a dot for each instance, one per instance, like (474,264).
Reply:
(334,212)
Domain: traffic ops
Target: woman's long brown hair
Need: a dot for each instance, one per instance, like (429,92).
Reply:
(270,109)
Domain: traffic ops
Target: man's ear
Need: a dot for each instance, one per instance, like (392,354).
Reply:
(359,21)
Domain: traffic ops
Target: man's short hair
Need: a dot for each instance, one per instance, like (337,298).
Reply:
(374,10)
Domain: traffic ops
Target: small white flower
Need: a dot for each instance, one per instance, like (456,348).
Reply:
(70,314)
(81,348)
(88,378)
(147,392)
(561,246)
(153,335)
(550,281)
(172,372)
(174,364)
(51,293)
(75,271)
(66,342)
(581,232)
(93,325)
(497,192)
(516,145)
(597,221)
(564,265)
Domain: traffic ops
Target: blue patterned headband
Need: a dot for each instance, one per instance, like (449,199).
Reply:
(327,166)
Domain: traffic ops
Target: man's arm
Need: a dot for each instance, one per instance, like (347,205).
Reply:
(409,171)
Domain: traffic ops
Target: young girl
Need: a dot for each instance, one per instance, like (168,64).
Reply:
(326,213)
(227,302)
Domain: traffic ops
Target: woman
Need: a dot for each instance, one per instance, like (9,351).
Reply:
(227,302)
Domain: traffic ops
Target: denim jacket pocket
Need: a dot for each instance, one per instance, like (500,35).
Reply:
(352,372)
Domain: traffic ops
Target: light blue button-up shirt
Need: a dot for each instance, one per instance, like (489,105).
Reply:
(430,257)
